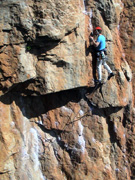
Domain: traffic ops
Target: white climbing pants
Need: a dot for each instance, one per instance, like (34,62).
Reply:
(101,62)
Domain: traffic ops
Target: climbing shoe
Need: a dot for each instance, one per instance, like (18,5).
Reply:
(98,81)
(110,75)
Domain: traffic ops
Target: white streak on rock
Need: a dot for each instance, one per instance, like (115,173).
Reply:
(34,148)
(107,166)
(123,54)
(90,23)
(80,128)
(43,177)
(83,9)
(117,170)
(40,122)
(12,124)
(56,123)
(115,129)
(81,140)
(59,138)
(81,112)
(65,109)
(93,140)
(24,154)
(118,3)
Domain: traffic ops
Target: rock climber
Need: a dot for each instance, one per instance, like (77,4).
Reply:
(100,47)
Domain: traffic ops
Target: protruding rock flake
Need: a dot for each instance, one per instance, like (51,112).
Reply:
(56,121)
(26,65)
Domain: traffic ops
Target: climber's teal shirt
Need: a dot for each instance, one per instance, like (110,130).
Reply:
(102,43)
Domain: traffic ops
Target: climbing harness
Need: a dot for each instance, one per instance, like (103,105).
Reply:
(102,54)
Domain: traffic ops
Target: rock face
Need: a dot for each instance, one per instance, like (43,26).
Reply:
(54,124)
(46,42)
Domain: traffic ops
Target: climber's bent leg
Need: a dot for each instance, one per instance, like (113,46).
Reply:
(107,67)
(99,69)
(111,74)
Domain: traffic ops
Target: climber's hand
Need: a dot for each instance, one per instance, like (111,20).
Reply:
(91,38)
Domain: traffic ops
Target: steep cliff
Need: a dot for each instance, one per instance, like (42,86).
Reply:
(54,124)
